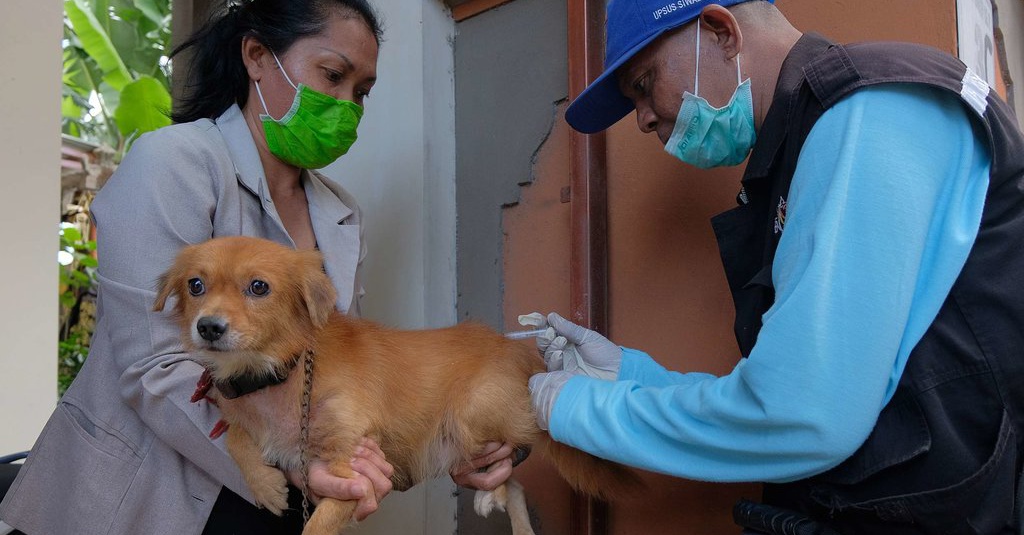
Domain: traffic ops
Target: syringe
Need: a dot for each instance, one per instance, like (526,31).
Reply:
(523,335)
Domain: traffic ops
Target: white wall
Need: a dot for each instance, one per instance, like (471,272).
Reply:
(30,69)
(402,171)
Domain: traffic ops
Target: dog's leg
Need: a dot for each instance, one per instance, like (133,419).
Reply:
(331,516)
(267,483)
(507,497)
(517,510)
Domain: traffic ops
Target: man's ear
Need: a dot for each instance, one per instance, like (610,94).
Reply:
(723,24)
(317,291)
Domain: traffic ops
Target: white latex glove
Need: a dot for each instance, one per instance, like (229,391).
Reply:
(575,349)
(544,389)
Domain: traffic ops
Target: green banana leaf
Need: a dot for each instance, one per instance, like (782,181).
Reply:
(69,109)
(144,106)
(71,113)
(109,45)
(155,11)
(75,75)
(138,40)
(96,42)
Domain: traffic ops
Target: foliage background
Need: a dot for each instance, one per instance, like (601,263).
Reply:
(116,86)
(77,303)
(116,80)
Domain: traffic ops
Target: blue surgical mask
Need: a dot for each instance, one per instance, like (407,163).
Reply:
(705,136)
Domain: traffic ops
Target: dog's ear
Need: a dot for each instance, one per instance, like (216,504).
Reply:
(167,285)
(170,283)
(173,281)
(317,290)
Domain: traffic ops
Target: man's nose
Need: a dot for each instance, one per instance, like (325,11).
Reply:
(646,119)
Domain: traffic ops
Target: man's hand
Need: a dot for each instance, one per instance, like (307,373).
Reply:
(575,349)
(369,485)
(544,390)
(491,468)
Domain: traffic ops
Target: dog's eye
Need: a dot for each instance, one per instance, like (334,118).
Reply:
(196,287)
(259,288)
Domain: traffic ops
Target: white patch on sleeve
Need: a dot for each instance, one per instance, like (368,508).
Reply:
(975,92)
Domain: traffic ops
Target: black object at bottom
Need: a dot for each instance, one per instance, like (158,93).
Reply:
(232,515)
(776,521)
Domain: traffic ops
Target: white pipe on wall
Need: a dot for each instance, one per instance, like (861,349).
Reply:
(30,59)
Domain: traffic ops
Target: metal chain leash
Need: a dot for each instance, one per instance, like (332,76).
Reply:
(307,392)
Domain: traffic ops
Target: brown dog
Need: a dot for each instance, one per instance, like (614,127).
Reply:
(250,309)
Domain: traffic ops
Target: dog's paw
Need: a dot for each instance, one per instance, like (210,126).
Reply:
(271,491)
(486,501)
(483,502)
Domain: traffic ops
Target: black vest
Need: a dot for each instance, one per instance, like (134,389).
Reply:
(945,454)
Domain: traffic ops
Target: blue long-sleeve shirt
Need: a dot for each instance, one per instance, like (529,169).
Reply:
(884,207)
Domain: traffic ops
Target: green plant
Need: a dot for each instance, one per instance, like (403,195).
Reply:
(77,304)
(116,82)
(116,75)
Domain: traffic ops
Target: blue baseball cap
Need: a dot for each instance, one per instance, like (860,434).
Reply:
(632,25)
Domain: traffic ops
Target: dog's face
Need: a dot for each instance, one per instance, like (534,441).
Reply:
(246,304)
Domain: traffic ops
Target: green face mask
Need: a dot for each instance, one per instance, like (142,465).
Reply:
(317,130)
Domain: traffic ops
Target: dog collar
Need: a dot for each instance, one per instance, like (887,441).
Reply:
(247,384)
(241,385)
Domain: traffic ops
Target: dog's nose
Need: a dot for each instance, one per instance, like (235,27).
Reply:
(211,328)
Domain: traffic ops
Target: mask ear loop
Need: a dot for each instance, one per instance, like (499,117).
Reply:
(696,75)
(295,87)
(739,75)
(260,93)
(696,71)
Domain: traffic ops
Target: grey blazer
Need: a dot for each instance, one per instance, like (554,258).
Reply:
(124,451)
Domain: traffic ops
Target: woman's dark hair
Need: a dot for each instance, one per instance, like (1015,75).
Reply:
(217,78)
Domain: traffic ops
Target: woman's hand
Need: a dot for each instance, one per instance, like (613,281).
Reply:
(496,457)
(369,485)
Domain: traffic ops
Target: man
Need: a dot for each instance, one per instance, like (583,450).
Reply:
(876,265)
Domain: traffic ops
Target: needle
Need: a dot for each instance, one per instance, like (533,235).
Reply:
(523,335)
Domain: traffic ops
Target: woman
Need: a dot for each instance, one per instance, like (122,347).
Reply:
(276,89)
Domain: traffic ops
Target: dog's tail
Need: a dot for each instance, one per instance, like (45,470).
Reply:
(588,474)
